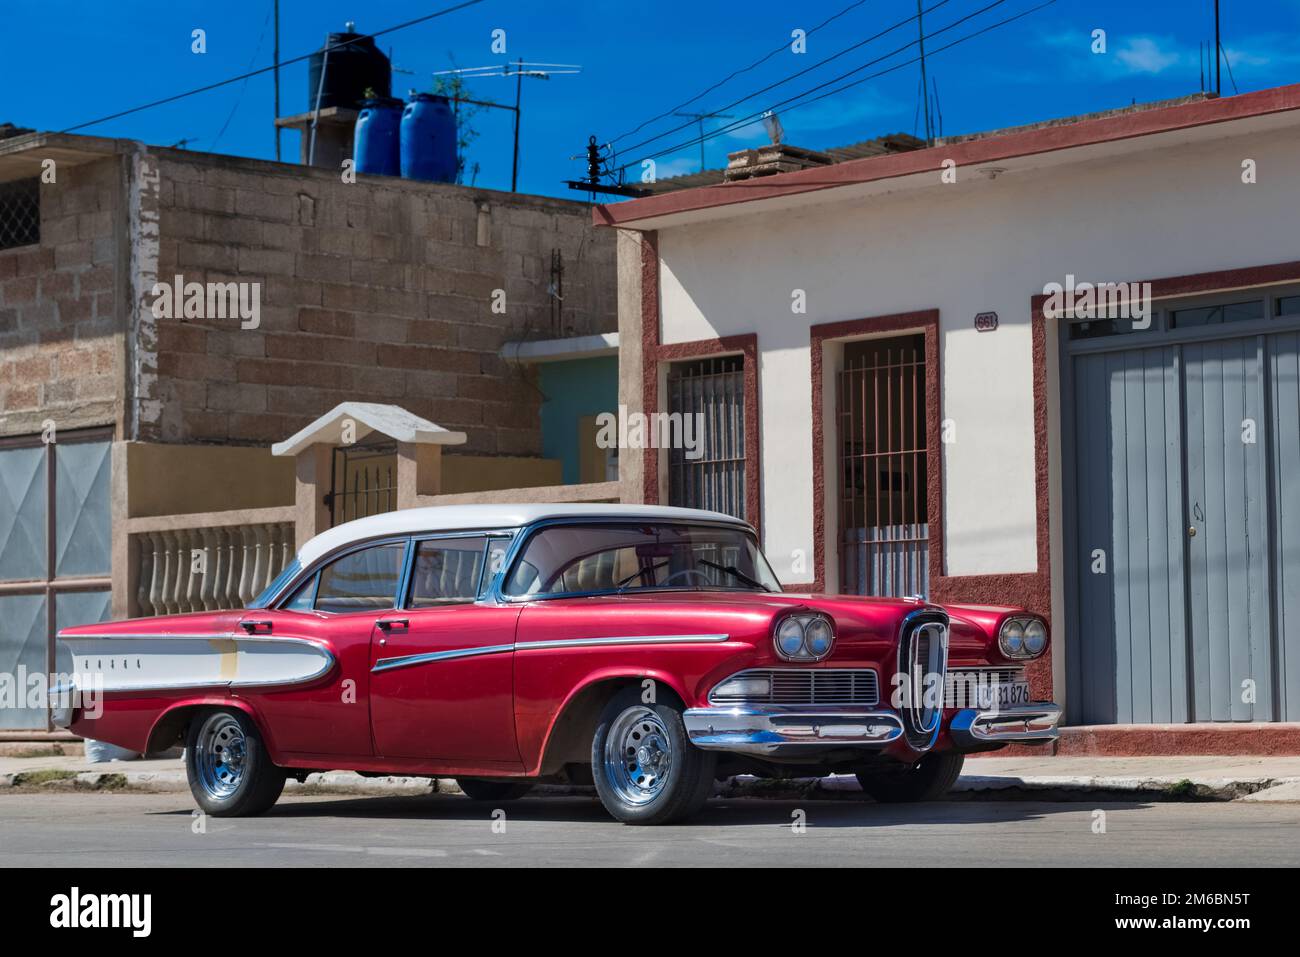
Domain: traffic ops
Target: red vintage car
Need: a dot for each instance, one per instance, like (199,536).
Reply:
(649,650)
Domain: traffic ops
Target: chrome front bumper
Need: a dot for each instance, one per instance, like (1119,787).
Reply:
(771,730)
(971,729)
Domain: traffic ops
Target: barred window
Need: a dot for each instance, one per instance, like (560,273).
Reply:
(711,393)
(20,213)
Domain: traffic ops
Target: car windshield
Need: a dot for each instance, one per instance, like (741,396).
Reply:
(582,559)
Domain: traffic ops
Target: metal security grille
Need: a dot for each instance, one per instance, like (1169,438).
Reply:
(20,213)
(706,404)
(883,524)
(808,686)
(363,482)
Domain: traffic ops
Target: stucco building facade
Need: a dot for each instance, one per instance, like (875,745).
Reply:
(908,412)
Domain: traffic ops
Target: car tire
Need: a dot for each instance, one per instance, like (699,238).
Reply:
(478,789)
(645,768)
(927,780)
(229,769)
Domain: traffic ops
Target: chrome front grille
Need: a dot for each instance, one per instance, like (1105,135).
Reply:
(962,687)
(807,686)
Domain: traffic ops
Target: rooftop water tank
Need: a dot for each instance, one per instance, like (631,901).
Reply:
(429,139)
(350,71)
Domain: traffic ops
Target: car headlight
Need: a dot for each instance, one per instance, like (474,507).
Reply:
(1035,637)
(808,637)
(789,638)
(817,637)
(1023,638)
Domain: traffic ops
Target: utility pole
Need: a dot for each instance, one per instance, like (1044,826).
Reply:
(519,92)
(275,58)
(1217,48)
(925,94)
(700,118)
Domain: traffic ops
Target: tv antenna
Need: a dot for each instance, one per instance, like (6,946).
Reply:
(700,118)
(517,69)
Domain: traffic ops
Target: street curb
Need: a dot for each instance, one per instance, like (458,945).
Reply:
(1062,788)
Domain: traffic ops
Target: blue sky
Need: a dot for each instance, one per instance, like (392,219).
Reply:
(65,63)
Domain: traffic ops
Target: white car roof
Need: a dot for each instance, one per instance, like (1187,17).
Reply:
(456,518)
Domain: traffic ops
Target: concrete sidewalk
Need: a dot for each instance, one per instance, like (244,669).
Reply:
(985,778)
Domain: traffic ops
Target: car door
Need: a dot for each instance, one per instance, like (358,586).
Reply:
(442,679)
(336,608)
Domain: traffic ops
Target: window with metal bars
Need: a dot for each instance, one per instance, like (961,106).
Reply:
(20,213)
(712,391)
(883,521)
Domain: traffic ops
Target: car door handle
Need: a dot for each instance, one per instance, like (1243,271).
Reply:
(256,627)
(388,624)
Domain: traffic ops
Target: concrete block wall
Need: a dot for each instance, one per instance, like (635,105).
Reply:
(379,290)
(60,307)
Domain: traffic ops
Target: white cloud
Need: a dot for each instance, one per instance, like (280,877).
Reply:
(1147,55)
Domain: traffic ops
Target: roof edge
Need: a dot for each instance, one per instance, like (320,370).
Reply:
(1029,142)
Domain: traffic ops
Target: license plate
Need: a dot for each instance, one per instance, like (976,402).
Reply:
(1005,695)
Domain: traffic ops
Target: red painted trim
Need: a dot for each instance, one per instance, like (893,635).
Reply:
(653,355)
(1047,139)
(926,322)
(1129,740)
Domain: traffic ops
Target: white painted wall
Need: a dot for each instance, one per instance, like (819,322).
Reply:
(965,248)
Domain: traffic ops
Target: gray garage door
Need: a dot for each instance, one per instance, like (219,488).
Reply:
(1183,515)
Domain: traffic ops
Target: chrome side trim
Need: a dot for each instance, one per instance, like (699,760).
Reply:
(410,661)
(626,640)
(775,730)
(165,663)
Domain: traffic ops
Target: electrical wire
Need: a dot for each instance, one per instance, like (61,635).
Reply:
(268,69)
(243,89)
(759,62)
(744,121)
(809,69)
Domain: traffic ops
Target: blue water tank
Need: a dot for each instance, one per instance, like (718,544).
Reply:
(377,146)
(429,139)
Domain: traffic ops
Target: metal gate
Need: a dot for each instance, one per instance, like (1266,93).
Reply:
(1182,546)
(363,481)
(884,530)
(712,393)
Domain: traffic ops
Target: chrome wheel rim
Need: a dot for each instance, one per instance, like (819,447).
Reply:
(638,756)
(220,756)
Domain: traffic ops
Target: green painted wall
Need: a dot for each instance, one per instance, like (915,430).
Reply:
(574,388)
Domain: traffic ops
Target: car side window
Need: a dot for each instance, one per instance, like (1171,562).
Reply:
(446,571)
(304,597)
(362,581)
(497,550)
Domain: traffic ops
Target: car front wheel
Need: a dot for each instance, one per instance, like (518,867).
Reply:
(646,770)
(229,770)
(927,780)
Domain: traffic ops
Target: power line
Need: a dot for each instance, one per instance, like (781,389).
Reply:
(268,69)
(783,104)
(809,69)
(243,89)
(759,62)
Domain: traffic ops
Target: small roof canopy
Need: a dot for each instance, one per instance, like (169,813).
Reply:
(390,420)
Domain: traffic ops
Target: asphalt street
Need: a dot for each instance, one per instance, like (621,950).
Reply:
(159,829)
